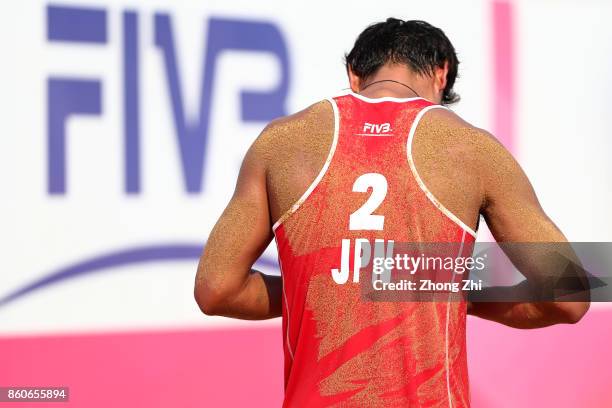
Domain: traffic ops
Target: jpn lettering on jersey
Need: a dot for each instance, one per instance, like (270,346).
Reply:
(365,219)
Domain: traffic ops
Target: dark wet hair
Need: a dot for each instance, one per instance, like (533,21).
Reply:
(415,43)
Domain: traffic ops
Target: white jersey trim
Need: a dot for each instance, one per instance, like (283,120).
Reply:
(316,181)
(446,339)
(420,182)
(379,100)
(280,264)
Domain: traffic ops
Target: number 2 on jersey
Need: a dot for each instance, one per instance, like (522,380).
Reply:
(363,219)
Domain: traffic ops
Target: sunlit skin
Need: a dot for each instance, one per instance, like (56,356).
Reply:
(465,167)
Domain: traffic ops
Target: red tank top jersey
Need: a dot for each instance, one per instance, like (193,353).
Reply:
(341,350)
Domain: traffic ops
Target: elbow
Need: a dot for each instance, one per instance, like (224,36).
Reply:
(573,312)
(209,302)
(208,292)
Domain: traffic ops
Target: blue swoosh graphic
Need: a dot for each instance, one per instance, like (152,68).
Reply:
(123,257)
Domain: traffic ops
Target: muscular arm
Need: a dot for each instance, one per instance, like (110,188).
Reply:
(225,283)
(513,214)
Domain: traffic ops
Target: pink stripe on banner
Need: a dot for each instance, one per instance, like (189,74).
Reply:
(564,366)
(196,368)
(503,73)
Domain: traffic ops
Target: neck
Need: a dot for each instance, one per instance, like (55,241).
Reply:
(394,81)
(381,82)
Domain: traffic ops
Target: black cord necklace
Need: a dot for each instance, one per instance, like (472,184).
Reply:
(390,80)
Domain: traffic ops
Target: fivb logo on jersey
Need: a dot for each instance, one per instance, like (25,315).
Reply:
(376,129)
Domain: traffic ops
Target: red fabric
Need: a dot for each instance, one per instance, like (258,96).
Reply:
(339,347)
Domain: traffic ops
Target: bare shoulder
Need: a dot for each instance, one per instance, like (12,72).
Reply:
(463,144)
(297,131)
(473,157)
(458,161)
(309,116)
(292,150)
(451,131)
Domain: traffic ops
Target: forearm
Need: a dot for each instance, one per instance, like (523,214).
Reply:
(529,315)
(532,303)
(258,297)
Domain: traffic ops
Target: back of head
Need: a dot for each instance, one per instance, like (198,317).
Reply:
(415,43)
